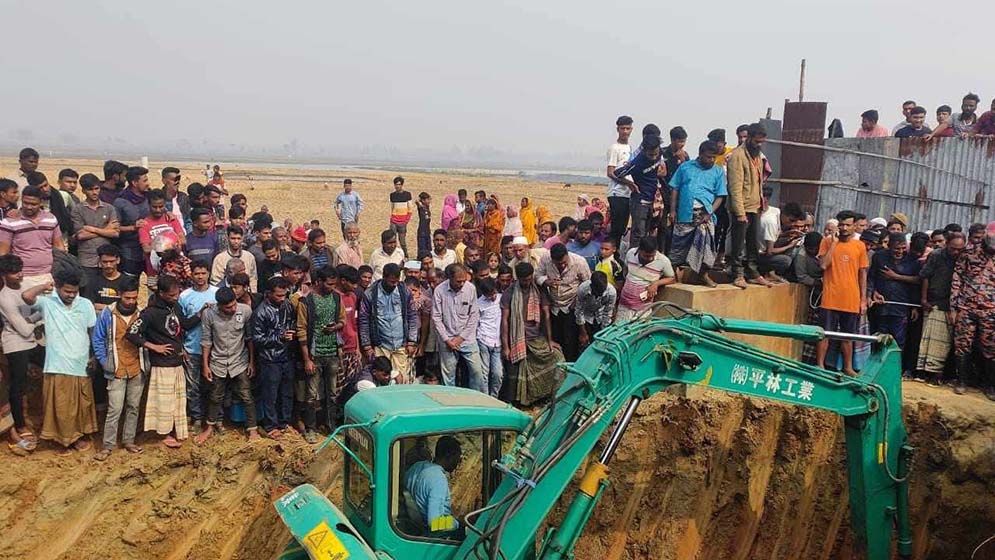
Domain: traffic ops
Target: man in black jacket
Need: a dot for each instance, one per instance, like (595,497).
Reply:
(159,333)
(274,326)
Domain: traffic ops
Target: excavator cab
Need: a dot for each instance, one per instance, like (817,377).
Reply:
(398,465)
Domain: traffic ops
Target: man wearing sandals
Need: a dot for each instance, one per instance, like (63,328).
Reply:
(121,362)
(20,347)
(159,330)
(67,392)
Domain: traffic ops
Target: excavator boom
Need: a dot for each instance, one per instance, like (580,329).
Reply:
(629,362)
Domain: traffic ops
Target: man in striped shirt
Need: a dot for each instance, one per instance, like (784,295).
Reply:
(401,208)
(31,236)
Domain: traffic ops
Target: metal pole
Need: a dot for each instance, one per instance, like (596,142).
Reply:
(852,337)
(619,431)
(801,83)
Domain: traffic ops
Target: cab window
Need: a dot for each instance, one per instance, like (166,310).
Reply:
(359,487)
(437,479)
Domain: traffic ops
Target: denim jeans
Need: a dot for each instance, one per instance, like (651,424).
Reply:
(276,394)
(123,395)
(321,390)
(470,353)
(490,356)
(744,252)
(198,388)
(241,388)
(640,220)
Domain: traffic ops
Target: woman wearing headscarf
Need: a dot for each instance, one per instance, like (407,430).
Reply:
(449,213)
(530,225)
(512,223)
(543,215)
(472,225)
(580,212)
(493,227)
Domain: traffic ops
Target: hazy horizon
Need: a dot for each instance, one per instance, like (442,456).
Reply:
(453,83)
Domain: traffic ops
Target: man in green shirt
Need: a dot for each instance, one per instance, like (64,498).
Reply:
(319,319)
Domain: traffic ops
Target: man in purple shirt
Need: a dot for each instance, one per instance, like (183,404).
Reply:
(455,317)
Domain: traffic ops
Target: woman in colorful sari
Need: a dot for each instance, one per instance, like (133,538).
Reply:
(530,224)
(472,225)
(493,227)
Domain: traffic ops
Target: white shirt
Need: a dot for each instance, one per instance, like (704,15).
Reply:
(489,326)
(378,259)
(443,260)
(770,227)
(618,154)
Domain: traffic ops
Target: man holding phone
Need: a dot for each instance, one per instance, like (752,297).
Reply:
(319,319)
(844,261)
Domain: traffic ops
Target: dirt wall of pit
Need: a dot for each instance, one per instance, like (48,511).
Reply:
(707,476)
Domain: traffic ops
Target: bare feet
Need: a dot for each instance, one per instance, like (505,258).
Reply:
(739,282)
(254,434)
(132,448)
(82,444)
(760,281)
(708,281)
(102,455)
(850,372)
(202,436)
(172,442)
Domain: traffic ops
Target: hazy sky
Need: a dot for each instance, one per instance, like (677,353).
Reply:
(522,77)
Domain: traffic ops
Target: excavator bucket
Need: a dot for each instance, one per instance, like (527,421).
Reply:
(321,531)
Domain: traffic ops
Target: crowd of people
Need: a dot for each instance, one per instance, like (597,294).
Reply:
(277,325)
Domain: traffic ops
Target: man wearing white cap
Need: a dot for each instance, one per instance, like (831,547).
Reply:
(522,252)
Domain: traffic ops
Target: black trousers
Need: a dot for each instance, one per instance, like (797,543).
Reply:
(619,208)
(744,252)
(566,333)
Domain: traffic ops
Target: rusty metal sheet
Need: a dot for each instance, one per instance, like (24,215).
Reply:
(805,123)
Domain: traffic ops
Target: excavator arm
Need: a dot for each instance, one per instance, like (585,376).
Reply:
(629,362)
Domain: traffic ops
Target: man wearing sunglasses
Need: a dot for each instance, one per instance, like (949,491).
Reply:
(177,201)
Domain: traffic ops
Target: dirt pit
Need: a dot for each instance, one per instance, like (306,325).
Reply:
(707,476)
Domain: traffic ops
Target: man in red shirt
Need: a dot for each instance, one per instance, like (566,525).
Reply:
(160,223)
(349,335)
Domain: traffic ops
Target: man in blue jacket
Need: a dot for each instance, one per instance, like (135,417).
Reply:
(388,323)
(122,364)
(274,326)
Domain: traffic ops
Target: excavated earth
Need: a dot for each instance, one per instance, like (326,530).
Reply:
(704,476)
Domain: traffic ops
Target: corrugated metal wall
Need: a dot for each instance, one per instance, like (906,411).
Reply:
(948,180)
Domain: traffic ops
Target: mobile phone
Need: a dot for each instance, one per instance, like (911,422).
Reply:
(644,295)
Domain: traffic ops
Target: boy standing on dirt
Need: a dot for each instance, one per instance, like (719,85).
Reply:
(226,360)
(67,393)
(122,367)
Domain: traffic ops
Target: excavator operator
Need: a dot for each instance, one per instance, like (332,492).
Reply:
(428,485)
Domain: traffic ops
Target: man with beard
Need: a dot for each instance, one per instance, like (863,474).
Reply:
(972,309)
(349,251)
(132,210)
(894,277)
(844,261)
(32,236)
(67,392)
(963,123)
(159,330)
(698,189)
(122,367)
(527,341)
(114,183)
(937,275)
(388,322)
(562,272)
(745,170)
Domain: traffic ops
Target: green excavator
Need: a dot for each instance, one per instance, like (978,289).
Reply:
(520,466)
